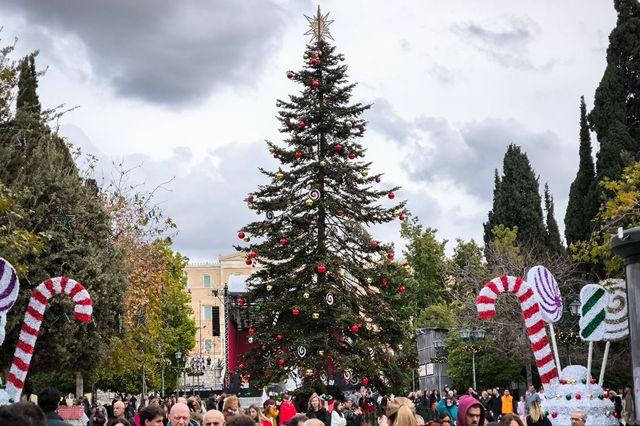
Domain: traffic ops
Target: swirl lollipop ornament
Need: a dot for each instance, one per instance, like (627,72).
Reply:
(9,287)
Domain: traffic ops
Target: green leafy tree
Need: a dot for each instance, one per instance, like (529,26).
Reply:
(553,241)
(583,202)
(616,110)
(516,200)
(314,244)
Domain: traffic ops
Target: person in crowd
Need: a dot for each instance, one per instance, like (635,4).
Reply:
(495,405)
(270,410)
(628,410)
(448,405)
(471,412)
(118,421)
(530,397)
(48,401)
(511,420)
(536,417)
(231,408)
(152,415)
(507,403)
(617,403)
(213,418)
(118,409)
(195,410)
(445,419)
(401,412)
(434,398)
(352,412)
(211,403)
(472,392)
(179,415)
(315,410)
(484,400)
(313,422)
(337,415)
(23,413)
(97,415)
(520,409)
(241,420)
(578,418)
(297,420)
(287,410)
(255,413)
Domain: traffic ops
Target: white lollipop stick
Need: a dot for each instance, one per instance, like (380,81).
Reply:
(589,362)
(555,347)
(604,363)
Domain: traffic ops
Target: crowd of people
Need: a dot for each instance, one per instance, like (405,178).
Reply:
(490,407)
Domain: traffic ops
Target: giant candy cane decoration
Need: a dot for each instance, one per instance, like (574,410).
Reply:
(33,319)
(532,318)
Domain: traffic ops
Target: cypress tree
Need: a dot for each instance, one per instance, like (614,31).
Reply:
(553,241)
(516,201)
(583,203)
(616,112)
(27,99)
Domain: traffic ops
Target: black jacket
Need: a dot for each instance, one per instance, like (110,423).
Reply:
(53,419)
(322,414)
(542,421)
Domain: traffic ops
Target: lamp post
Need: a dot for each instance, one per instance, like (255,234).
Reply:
(164,363)
(472,336)
(178,358)
(568,320)
(197,369)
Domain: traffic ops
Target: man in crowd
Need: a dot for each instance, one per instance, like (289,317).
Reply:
(213,418)
(507,403)
(48,401)
(179,414)
(578,418)
(351,414)
(470,412)
(530,397)
(118,409)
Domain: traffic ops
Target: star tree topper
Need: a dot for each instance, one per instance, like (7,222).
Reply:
(319,26)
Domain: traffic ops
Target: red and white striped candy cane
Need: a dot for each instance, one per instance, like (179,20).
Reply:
(532,318)
(33,320)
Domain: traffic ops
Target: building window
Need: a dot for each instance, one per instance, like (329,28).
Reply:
(207,313)
(208,345)
(215,318)
(207,281)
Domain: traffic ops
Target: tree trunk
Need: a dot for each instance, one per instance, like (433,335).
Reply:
(529,373)
(79,384)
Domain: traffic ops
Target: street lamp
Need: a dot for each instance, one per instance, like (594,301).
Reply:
(574,308)
(197,369)
(178,358)
(472,336)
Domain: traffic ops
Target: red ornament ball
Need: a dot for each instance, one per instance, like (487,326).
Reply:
(554,414)
(289,74)
(315,84)
(563,381)
(364,381)
(362,129)
(578,396)
(241,301)
(390,256)
(322,269)
(378,179)
(592,381)
(401,217)
(606,394)
(283,241)
(314,61)
(615,414)
(252,330)
(354,328)
(340,212)
(391,195)
(338,147)
(301,124)
(241,235)
(352,155)
(279,337)
(402,289)
(384,281)
(247,262)
(276,155)
(253,254)
(281,362)
(250,197)
(374,244)
(298,154)
(295,312)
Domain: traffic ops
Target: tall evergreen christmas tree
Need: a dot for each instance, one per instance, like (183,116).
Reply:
(324,296)
(553,241)
(616,113)
(516,201)
(583,201)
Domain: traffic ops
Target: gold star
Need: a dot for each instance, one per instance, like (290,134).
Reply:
(319,26)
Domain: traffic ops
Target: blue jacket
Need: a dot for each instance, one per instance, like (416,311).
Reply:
(451,411)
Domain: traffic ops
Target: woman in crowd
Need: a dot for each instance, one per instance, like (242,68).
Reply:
(195,409)
(315,410)
(434,398)
(337,416)
(118,421)
(401,412)
(511,420)
(231,408)
(484,400)
(256,414)
(536,417)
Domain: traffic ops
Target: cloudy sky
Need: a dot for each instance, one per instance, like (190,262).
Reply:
(187,90)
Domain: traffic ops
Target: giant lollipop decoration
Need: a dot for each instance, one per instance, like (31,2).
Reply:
(547,292)
(9,286)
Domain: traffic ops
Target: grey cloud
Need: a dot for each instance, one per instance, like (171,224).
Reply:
(383,118)
(505,41)
(443,74)
(166,52)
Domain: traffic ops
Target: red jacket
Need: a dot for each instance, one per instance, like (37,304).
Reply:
(287,411)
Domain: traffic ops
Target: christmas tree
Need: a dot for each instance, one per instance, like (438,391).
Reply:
(325,296)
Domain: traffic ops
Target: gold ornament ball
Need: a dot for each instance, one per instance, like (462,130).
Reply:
(323,163)
(280,175)
(364,173)
(274,185)
(269,287)
(349,124)
(396,213)
(308,372)
(309,202)
(247,239)
(250,339)
(315,316)
(305,295)
(321,352)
